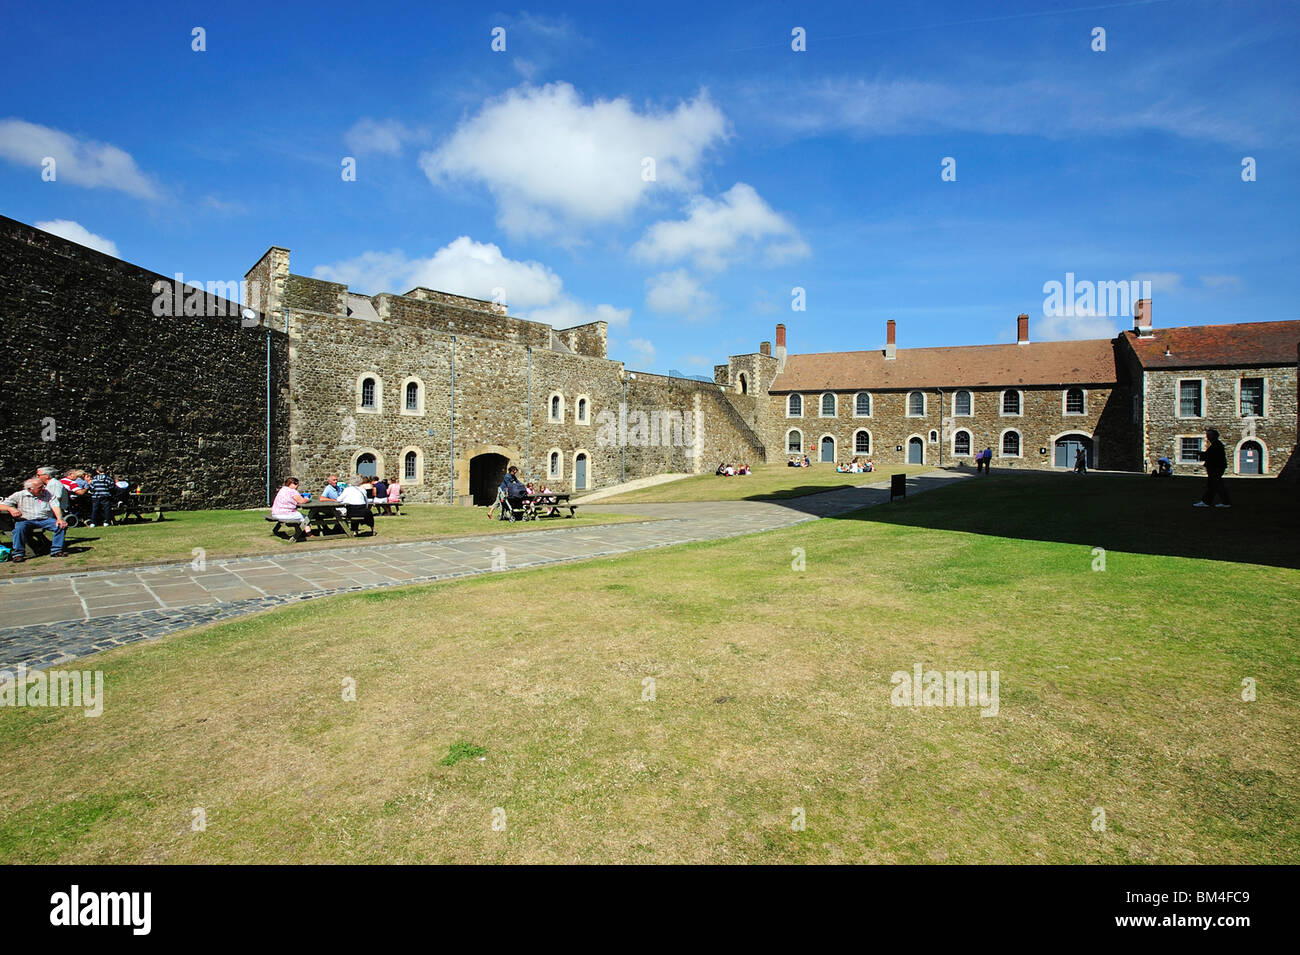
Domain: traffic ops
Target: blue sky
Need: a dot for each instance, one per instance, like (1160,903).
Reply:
(524,170)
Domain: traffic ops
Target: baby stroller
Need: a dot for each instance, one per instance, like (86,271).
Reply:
(520,510)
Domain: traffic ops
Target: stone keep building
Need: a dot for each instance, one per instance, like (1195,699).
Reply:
(212,404)
(446,392)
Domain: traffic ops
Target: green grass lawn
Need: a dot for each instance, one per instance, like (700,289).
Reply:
(242,533)
(768,482)
(1120,690)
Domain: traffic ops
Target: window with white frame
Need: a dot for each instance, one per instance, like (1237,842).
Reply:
(828,405)
(1189,450)
(555,464)
(961,404)
(1011,444)
(793,441)
(862,442)
(1190,398)
(1011,402)
(557,407)
(862,405)
(581,409)
(410,466)
(916,405)
(1074,401)
(412,396)
(794,406)
(369,393)
(1252,397)
(961,443)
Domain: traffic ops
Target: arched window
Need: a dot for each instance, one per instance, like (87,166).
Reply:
(412,396)
(410,466)
(1011,444)
(555,464)
(916,405)
(961,404)
(557,407)
(793,441)
(862,405)
(1011,402)
(367,465)
(794,406)
(828,405)
(961,443)
(582,406)
(368,393)
(1074,403)
(862,442)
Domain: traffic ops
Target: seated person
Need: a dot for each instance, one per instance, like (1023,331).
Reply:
(331,491)
(35,506)
(722,469)
(806,463)
(354,494)
(793,462)
(381,495)
(394,492)
(285,506)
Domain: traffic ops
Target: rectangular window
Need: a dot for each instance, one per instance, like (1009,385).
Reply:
(1189,450)
(1252,397)
(1189,399)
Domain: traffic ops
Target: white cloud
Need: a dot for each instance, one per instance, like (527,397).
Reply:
(554,162)
(678,293)
(477,270)
(377,136)
(78,233)
(641,353)
(1053,328)
(1169,282)
(719,231)
(1221,281)
(80,162)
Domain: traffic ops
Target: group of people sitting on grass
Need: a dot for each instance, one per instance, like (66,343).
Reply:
(732,470)
(49,503)
(366,492)
(856,467)
(798,461)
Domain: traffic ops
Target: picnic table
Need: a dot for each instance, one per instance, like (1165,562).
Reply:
(536,506)
(325,515)
(137,502)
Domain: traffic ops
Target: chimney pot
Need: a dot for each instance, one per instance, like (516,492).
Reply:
(1022,329)
(780,336)
(1142,316)
(765,348)
(891,344)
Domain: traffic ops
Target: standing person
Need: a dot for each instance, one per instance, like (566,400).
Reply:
(514,491)
(1080,462)
(101,498)
(1216,462)
(35,506)
(285,507)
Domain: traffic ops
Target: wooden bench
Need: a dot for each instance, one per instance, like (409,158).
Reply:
(297,528)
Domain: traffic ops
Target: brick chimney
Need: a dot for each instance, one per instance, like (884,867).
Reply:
(1142,318)
(1022,329)
(765,348)
(780,348)
(891,346)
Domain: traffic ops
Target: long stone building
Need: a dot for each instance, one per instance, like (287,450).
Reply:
(212,403)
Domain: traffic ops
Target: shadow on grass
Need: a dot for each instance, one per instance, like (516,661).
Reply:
(1127,513)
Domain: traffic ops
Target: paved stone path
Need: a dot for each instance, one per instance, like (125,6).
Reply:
(48,620)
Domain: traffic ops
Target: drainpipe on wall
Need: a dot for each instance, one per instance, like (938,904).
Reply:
(528,428)
(451,431)
(940,390)
(622,443)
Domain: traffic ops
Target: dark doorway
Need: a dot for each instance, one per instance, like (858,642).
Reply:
(1250,459)
(485,474)
(915,451)
(1068,447)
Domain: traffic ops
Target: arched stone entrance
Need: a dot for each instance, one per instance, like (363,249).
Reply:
(477,473)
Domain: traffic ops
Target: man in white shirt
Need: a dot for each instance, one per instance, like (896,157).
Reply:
(35,506)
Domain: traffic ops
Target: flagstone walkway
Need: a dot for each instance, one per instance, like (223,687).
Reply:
(49,620)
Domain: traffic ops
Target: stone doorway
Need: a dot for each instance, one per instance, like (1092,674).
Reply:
(485,474)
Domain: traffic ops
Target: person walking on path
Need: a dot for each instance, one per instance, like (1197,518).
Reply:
(1216,462)
(1081,462)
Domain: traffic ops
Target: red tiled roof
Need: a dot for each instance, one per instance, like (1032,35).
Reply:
(1225,346)
(1038,363)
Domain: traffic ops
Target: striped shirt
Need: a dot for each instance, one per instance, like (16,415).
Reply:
(34,507)
(101,485)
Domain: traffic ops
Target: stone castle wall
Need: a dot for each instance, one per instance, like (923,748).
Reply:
(176,403)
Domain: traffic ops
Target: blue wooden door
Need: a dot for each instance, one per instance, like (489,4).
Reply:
(915,451)
(580,473)
(828,450)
